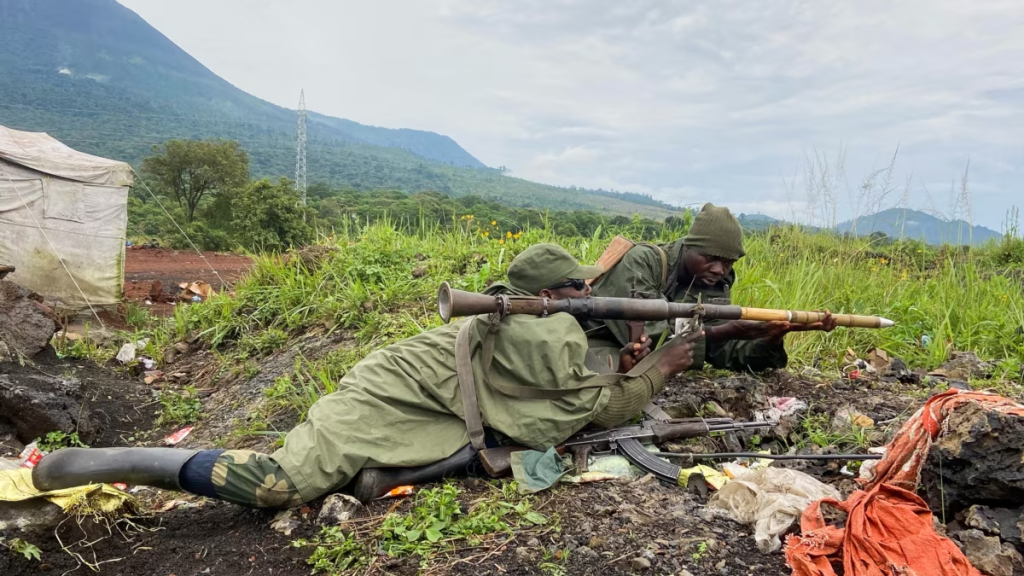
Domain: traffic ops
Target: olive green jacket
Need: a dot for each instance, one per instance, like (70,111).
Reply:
(639,274)
(401,405)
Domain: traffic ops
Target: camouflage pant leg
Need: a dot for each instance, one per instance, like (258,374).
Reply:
(253,479)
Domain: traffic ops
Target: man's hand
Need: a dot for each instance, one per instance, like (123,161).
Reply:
(827,324)
(633,353)
(677,357)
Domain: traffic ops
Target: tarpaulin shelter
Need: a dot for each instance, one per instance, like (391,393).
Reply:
(63,213)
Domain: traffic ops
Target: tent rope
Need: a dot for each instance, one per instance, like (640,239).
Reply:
(52,247)
(173,221)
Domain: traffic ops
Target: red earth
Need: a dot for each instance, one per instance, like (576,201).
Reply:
(143,267)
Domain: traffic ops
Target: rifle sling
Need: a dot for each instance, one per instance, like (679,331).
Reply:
(467,387)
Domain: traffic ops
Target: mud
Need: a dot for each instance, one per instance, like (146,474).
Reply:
(49,394)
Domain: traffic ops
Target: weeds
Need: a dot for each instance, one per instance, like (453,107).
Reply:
(436,524)
(179,408)
(19,546)
(56,440)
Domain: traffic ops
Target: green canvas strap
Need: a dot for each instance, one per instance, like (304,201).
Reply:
(664,261)
(467,387)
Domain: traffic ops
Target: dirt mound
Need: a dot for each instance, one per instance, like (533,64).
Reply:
(52,394)
(26,326)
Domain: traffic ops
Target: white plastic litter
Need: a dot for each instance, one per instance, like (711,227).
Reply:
(771,499)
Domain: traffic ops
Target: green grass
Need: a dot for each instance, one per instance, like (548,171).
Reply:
(363,285)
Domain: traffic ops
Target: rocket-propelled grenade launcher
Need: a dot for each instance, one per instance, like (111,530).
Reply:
(453,303)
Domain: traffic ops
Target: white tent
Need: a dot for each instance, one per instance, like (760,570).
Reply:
(58,204)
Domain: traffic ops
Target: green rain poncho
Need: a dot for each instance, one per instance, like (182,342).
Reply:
(401,405)
(640,271)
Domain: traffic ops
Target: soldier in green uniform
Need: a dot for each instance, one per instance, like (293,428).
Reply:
(697,265)
(419,409)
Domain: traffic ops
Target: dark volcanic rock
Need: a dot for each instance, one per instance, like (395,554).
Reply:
(976,460)
(29,517)
(26,326)
(43,405)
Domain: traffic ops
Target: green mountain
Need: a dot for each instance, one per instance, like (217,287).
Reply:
(95,75)
(916,225)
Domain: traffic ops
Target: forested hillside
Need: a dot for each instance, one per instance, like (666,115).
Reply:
(95,75)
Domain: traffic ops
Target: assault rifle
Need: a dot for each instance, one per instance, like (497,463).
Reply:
(626,441)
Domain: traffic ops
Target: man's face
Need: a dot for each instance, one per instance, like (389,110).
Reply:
(704,270)
(568,288)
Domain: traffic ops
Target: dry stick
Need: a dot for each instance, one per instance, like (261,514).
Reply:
(52,247)
(198,251)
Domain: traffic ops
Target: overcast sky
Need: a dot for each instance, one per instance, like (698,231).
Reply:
(724,101)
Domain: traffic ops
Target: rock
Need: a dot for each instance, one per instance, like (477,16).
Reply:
(963,366)
(419,272)
(847,418)
(898,369)
(29,517)
(26,326)
(640,564)
(975,459)
(987,554)
(720,565)
(338,508)
(284,522)
(596,542)
(182,347)
(685,573)
(1000,522)
(533,543)
(524,554)
(38,403)
(586,554)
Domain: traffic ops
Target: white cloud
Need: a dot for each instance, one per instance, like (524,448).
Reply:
(713,99)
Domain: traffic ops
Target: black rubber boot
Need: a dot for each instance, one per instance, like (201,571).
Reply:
(372,483)
(70,467)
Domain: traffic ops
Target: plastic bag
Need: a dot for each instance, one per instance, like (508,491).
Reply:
(771,499)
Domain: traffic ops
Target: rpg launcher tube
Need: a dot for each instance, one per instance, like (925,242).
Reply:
(453,303)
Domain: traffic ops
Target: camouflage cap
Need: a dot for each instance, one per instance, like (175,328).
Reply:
(543,265)
(716,232)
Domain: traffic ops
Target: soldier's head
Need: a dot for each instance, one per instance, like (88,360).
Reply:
(549,270)
(712,247)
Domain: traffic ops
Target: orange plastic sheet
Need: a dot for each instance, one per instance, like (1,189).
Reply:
(889,529)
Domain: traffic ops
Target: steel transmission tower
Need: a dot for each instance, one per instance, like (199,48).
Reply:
(300,149)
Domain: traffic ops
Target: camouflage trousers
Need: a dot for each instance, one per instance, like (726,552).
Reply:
(253,479)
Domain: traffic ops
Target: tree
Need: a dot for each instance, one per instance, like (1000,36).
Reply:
(193,169)
(268,217)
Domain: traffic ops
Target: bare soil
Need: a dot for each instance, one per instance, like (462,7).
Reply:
(145,266)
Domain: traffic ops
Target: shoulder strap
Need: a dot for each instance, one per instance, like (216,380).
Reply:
(664,260)
(467,387)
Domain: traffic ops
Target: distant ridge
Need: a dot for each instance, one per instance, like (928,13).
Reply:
(95,75)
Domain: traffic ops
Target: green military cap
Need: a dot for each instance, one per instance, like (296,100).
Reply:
(716,232)
(543,265)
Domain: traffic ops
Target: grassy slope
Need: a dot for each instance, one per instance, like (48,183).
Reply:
(366,286)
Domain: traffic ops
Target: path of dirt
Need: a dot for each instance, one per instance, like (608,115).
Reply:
(144,266)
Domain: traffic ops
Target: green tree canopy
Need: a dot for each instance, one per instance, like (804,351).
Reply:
(189,170)
(268,217)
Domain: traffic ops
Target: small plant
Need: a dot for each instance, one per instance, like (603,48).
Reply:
(554,562)
(702,548)
(56,440)
(334,551)
(136,316)
(257,345)
(179,407)
(19,546)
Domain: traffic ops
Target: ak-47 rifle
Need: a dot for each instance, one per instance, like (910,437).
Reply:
(626,441)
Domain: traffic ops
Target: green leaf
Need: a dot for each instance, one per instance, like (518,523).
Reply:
(413,535)
(433,535)
(535,518)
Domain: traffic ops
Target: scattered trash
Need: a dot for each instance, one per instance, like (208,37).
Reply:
(845,471)
(847,418)
(153,376)
(120,486)
(196,291)
(771,499)
(779,407)
(399,492)
(30,456)
(169,505)
(126,354)
(178,436)
(284,523)
(878,359)
(925,340)
(712,477)
(147,363)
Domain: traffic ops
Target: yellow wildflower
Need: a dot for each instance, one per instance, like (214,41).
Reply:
(494,222)
(904,274)
(502,241)
(919,251)
(487,233)
(874,268)
(883,260)
(508,234)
